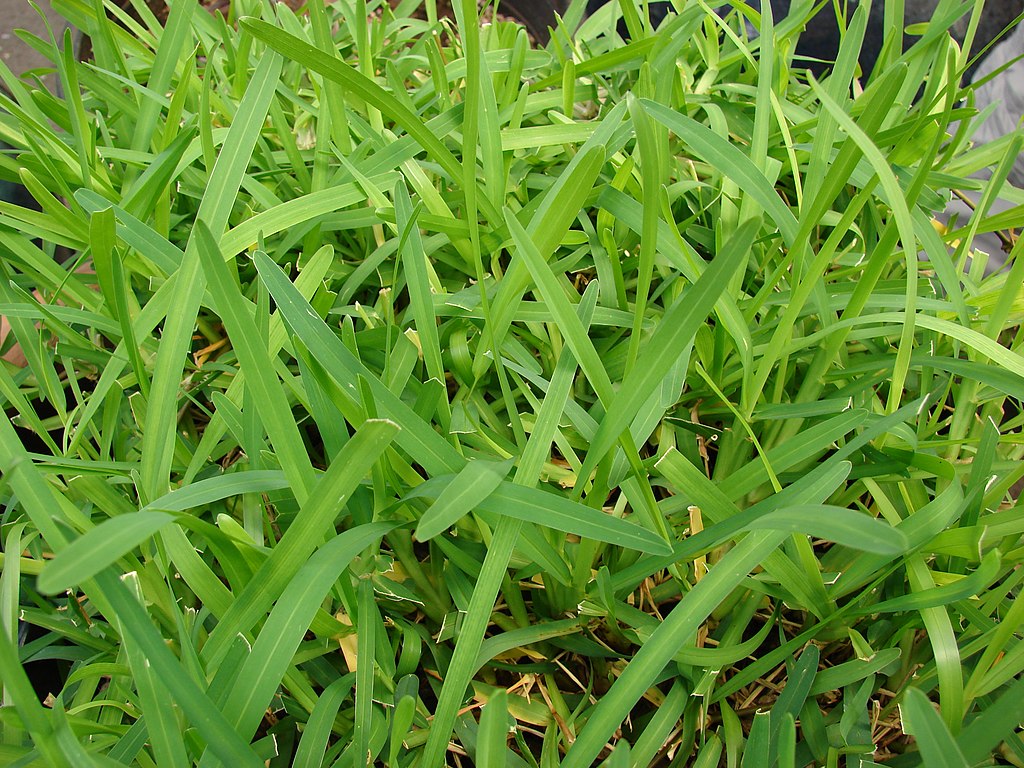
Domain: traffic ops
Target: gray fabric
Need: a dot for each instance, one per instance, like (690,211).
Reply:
(1007,91)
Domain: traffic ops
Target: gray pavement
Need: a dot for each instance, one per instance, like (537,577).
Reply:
(19,14)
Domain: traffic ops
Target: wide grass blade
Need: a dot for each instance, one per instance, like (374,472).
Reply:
(306,532)
(837,524)
(936,744)
(275,646)
(674,334)
(160,434)
(467,490)
(103,545)
(677,629)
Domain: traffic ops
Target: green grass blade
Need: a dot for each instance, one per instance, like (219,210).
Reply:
(674,334)
(843,526)
(273,650)
(336,70)
(160,432)
(305,533)
(460,670)
(946,650)
(937,746)
(17,686)
(793,696)
(317,732)
(564,315)
(730,160)
(468,489)
(257,367)
(416,268)
(213,726)
(175,40)
(756,750)
(161,720)
(554,511)
(490,744)
(112,539)
(993,724)
(427,447)
(678,628)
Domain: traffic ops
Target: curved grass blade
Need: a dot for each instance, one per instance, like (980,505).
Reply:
(336,70)
(160,433)
(904,223)
(945,649)
(853,671)
(550,221)
(517,638)
(306,532)
(219,734)
(843,526)
(677,629)
(993,724)
(674,334)
(937,746)
(175,40)
(539,507)
(313,744)
(561,309)
(552,510)
(257,366)
(467,490)
(728,159)
(87,555)
(820,483)
(34,718)
(204,492)
(414,259)
(425,445)
(112,539)
(969,586)
(288,623)
(297,211)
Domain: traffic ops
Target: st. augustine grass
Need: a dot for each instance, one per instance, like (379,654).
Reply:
(396,393)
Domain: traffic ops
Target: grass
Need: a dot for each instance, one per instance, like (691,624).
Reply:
(399,393)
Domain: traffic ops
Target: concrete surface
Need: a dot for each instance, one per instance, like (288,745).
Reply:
(19,14)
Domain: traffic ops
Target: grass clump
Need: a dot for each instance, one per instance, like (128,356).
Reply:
(402,394)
